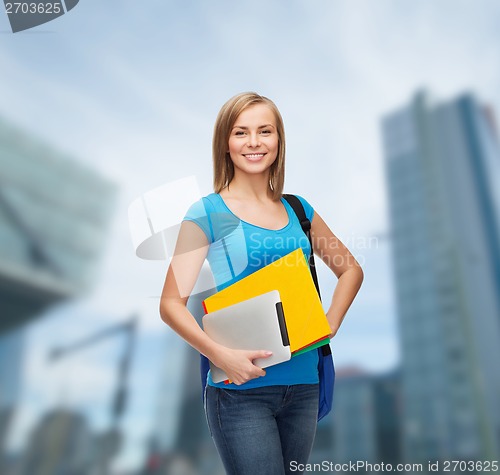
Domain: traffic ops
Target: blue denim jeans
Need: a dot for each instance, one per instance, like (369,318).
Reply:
(261,430)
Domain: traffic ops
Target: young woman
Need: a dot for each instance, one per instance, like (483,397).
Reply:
(265,419)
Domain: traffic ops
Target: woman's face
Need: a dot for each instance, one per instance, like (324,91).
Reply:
(253,142)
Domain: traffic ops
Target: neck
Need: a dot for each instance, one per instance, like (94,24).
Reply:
(250,187)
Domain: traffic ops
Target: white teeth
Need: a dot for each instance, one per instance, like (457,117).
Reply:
(254,155)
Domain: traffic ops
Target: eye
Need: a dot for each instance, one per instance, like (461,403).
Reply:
(265,132)
(239,132)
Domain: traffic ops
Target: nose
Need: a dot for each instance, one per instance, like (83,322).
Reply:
(253,140)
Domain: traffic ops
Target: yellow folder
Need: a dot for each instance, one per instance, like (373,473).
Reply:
(306,321)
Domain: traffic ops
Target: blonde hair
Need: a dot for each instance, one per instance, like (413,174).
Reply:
(222,163)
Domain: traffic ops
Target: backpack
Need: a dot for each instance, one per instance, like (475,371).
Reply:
(326,369)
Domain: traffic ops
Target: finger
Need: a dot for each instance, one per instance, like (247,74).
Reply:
(260,354)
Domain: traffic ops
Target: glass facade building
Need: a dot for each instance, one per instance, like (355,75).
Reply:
(366,422)
(11,364)
(354,422)
(443,176)
(54,214)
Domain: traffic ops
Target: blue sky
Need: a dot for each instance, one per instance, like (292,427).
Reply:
(132,89)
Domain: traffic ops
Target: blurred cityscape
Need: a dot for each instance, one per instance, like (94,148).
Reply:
(441,403)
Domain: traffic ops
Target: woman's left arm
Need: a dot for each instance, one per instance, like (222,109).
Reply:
(338,258)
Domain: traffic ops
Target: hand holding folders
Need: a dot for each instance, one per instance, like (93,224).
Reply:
(305,321)
(253,324)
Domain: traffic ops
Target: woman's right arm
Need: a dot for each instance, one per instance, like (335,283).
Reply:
(189,255)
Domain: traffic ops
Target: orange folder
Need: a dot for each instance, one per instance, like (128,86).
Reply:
(306,321)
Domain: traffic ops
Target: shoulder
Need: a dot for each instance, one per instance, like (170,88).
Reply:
(212,216)
(199,212)
(202,207)
(308,208)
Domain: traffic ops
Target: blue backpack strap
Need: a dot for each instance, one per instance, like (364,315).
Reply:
(326,368)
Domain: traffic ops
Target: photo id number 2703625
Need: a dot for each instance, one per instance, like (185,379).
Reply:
(31,7)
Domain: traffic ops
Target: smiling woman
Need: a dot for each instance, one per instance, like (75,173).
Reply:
(248,221)
(249,125)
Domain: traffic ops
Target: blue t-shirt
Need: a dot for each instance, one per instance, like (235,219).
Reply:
(237,249)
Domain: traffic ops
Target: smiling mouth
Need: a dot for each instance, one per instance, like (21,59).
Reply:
(254,156)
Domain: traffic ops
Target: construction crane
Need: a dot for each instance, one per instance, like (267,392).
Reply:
(109,442)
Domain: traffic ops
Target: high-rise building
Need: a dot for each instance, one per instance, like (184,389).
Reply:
(54,214)
(443,175)
(60,443)
(354,417)
(387,402)
(365,422)
(11,362)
